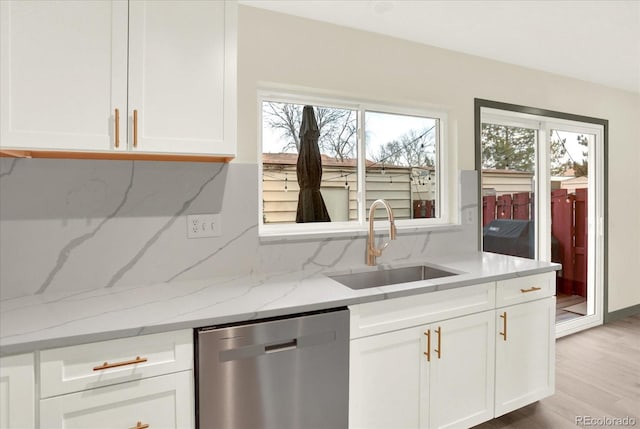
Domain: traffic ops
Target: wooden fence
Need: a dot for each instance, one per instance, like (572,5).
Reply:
(568,227)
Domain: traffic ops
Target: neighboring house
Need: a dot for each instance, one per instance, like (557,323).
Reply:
(568,180)
(498,182)
(406,188)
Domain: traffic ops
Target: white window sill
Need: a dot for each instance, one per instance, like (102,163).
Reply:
(269,233)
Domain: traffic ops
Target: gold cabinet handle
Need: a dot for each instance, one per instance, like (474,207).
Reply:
(117,127)
(427,333)
(135,128)
(140,425)
(531,289)
(439,349)
(503,316)
(108,365)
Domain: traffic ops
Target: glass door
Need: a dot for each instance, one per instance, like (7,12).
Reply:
(542,198)
(509,177)
(576,212)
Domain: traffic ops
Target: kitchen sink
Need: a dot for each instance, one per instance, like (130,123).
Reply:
(368,279)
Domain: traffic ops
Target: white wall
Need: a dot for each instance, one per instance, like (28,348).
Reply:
(276,49)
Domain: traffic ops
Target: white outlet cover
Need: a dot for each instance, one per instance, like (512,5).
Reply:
(203,225)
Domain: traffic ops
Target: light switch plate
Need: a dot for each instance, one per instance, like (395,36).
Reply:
(203,225)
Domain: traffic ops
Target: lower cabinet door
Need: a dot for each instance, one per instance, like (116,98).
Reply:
(461,379)
(165,401)
(525,356)
(385,380)
(17,392)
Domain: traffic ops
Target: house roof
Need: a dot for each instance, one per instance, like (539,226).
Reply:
(327,161)
(505,171)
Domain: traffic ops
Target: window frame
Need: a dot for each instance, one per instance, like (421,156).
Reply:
(447,203)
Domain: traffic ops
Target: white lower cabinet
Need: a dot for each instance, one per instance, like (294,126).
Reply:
(525,356)
(410,369)
(17,392)
(461,372)
(165,401)
(136,382)
(385,380)
(432,376)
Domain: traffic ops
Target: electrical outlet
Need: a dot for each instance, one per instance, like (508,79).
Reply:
(203,225)
(469,216)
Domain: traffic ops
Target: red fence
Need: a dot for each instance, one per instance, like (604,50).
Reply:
(568,227)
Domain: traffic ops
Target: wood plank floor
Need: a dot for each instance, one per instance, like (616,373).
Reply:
(597,375)
(563,301)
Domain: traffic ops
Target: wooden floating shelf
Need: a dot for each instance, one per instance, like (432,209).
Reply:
(128,156)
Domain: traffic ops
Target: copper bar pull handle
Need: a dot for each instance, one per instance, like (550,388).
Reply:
(427,334)
(108,365)
(532,289)
(439,349)
(140,425)
(503,316)
(116,117)
(135,128)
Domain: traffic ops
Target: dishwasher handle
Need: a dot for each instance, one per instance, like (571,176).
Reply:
(281,347)
(265,348)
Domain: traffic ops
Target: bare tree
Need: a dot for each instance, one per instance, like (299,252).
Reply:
(337,127)
(416,148)
(286,119)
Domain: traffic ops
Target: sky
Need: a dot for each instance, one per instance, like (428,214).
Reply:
(381,128)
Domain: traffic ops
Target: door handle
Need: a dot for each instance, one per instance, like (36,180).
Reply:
(427,334)
(135,128)
(503,316)
(116,120)
(439,349)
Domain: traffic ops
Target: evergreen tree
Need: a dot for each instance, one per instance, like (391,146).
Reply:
(508,148)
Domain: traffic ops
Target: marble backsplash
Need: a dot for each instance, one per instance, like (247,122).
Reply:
(84,224)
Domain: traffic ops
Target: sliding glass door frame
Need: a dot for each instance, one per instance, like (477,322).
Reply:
(545,121)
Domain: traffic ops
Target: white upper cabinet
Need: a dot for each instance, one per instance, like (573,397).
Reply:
(120,77)
(177,76)
(62,73)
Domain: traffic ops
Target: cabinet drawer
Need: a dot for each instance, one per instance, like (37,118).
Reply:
(523,289)
(159,402)
(82,367)
(389,315)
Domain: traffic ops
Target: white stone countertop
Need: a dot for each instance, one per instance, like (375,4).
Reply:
(59,319)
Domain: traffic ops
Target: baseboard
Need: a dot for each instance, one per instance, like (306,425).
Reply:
(621,314)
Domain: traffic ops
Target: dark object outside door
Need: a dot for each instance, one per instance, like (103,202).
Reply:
(509,237)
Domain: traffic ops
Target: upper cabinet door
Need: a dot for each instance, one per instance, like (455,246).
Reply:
(63,72)
(180,77)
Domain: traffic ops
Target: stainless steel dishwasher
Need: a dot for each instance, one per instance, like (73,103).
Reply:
(281,373)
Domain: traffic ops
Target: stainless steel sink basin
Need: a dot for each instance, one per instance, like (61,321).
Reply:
(391,276)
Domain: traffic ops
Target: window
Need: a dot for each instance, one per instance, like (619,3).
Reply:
(365,152)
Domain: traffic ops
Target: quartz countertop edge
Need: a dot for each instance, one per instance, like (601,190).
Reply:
(65,318)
